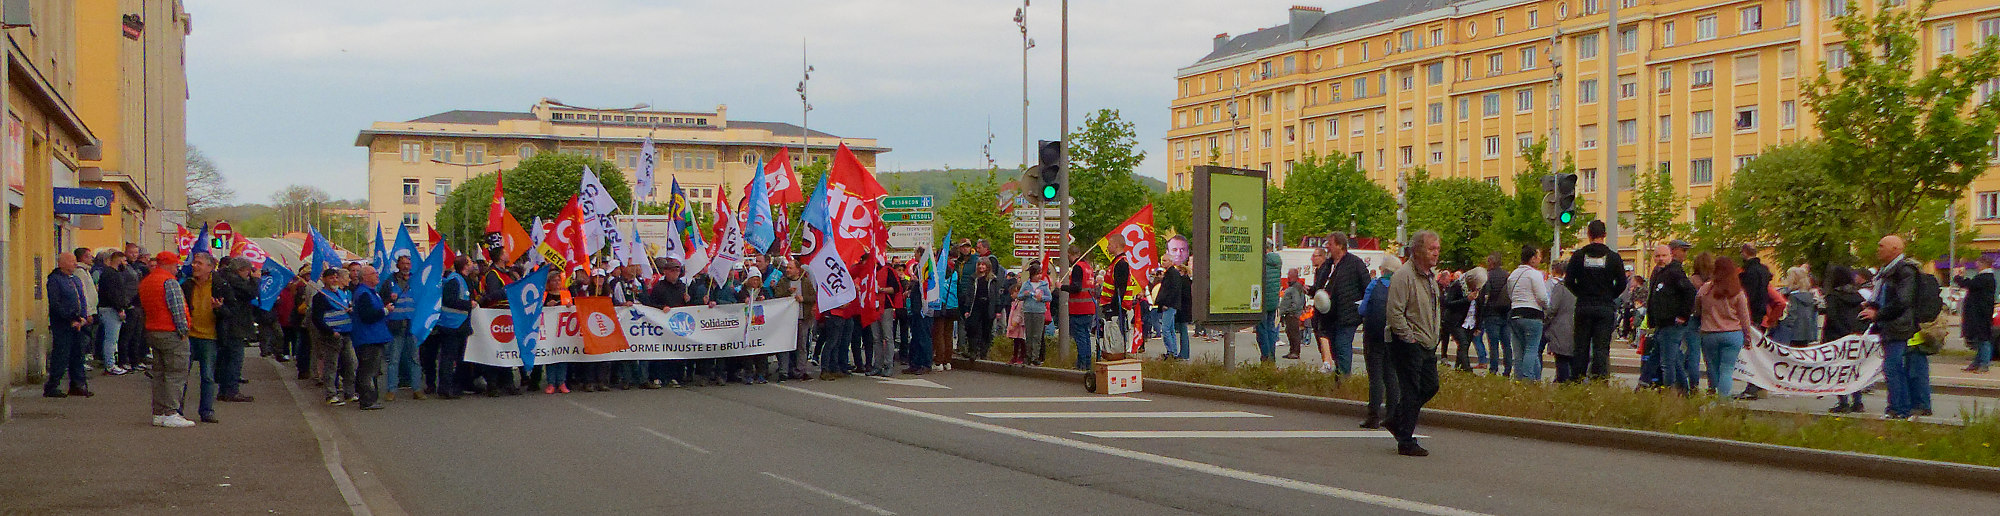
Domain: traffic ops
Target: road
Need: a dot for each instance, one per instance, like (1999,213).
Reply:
(864,446)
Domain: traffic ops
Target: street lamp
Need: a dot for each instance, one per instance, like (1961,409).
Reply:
(599,124)
(465,208)
(806,107)
(1021,20)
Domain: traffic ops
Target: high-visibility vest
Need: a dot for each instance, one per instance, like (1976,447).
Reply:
(340,315)
(449,317)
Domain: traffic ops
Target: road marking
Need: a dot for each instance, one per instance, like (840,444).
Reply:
(1019,399)
(1200,467)
(592,410)
(830,494)
(1112,415)
(913,382)
(671,439)
(328,437)
(1236,434)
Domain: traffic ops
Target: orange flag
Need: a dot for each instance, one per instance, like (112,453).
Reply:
(598,320)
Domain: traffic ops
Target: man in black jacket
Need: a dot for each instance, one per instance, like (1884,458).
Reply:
(1893,312)
(1669,307)
(1596,275)
(235,323)
(67,316)
(455,307)
(1344,278)
(1975,313)
(1757,285)
(117,289)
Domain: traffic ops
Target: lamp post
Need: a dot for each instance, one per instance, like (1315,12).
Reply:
(805,107)
(465,208)
(1021,20)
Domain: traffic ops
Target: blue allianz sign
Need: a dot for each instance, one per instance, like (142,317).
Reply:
(83,201)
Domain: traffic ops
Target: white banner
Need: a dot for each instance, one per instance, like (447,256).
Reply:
(1842,366)
(680,333)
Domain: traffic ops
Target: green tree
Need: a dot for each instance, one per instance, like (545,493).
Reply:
(1461,211)
(1521,223)
(1103,153)
(1787,198)
(537,187)
(970,215)
(1656,210)
(1173,211)
(1332,193)
(1902,135)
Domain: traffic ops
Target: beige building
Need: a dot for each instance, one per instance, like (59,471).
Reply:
(132,90)
(412,165)
(1458,88)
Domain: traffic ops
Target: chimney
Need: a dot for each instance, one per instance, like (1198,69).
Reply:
(1221,40)
(1302,19)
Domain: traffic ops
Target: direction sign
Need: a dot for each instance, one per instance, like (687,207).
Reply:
(1034,213)
(906,202)
(1035,225)
(1033,253)
(1034,239)
(911,236)
(907,216)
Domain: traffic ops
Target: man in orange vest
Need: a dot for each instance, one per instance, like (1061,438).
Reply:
(166,333)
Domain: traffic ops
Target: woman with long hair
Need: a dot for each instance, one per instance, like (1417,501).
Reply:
(1725,313)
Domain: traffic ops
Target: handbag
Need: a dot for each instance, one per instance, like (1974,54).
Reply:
(1322,302)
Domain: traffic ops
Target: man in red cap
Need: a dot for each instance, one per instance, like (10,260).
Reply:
(166,319)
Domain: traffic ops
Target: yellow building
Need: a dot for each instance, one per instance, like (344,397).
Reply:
(42,144)
(412,165)
(132,90)
(1458,88)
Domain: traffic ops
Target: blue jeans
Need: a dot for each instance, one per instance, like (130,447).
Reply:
(1342,341)
(1670,341)
(921,354)
(1161,321)
(400,362)
(554,374)
(1721,348)
(833,355)
(1267,337)
(1526,343)
(1691,353)
(1896,375)
(203,351)
(1080,327)
(109,325)
(1981,359)
(229,365)
(1495,329)
(1917,368)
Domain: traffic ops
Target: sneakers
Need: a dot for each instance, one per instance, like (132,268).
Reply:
(550,389)
(115,371)
(1411,449)
(172,421)
(336,400)
(1326,368)
(390,395)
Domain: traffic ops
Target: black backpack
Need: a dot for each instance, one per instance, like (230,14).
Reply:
(1929,300)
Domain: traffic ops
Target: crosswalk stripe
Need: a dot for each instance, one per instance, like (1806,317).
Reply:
(1113,415)
(1236,434)
(1019,399)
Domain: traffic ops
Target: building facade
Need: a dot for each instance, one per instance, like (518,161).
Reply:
(413,165)
(132,92)
(1460,88)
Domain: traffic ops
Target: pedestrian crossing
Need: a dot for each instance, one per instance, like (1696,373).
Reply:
(1160,417)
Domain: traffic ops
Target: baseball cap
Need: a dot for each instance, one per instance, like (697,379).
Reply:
(167,258)
(1679,244)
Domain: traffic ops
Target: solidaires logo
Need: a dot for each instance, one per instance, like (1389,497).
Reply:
(601,325)
(681,323)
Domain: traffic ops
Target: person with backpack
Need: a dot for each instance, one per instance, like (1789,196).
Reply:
(1897,310)
(1375,344)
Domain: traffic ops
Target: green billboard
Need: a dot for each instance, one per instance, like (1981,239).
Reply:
(1228,240)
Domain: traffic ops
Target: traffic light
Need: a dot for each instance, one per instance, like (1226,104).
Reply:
(1565,198)
(1549,201)
(1050,168)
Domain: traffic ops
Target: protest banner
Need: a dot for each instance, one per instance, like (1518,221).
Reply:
(651,334)
(1842,366)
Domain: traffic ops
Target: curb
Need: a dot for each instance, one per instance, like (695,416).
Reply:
(1928,472)
(1955,390)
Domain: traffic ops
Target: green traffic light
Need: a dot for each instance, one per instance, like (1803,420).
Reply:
(1566,217)
(1048,192)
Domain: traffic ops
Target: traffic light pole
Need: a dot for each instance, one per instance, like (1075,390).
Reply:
(1062,190)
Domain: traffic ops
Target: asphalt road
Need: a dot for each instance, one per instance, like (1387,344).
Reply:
(864,446)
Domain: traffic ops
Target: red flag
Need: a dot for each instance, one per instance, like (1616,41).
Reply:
(1137,235)
(597,321)
(499,209)
(243,248)
(437,240)
(849,175)
(566,236)
(184,241)
(782,181)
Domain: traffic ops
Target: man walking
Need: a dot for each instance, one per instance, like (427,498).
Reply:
(68,314)
(1413,340)
(371,335)
(1893,312)
(1343,277)
(400,358)
(1596,275)
(235,322)
(1669,306)
(166,332)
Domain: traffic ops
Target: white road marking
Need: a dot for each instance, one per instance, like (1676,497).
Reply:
(1201,467)
(1019,399)
(592,410)
(1113,415)
(327,434)
(911,382)
(1237,434)
(672,439)
(830,494)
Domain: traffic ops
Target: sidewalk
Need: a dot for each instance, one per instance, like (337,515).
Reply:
(101,455)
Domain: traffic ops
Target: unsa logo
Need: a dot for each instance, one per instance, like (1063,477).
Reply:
(681,323)
(601,325)
(502,328)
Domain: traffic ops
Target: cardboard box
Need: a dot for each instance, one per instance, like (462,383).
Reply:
(1118,376)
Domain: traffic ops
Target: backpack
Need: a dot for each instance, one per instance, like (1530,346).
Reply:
(1929,301)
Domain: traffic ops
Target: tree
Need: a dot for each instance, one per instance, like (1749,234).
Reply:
(537,187)
(295,205)
(206,187)
(1903,136)
(1332,193)
(970,215)
(1461,211)
(1787,198)
(1522,223)
(1656,210)
(1173,211)
(1102,157)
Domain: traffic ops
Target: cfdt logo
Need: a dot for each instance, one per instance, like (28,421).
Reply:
(601,325)
(681,323)
(502,328)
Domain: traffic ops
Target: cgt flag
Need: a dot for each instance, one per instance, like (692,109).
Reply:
(728,240)
(524,302)
(184,240)
(1137,235)
(832,281)
(598,320)
(782,180)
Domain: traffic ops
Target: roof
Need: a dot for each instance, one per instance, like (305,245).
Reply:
(1352,17)
(776,128)
(461,116)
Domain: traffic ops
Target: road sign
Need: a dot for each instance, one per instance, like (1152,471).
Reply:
(1035,239)
(1034,213)
(1035,225)
(907,216)
(911,236)
(1035,254)
(906,202)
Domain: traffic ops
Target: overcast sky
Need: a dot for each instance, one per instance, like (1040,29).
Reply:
(278,90)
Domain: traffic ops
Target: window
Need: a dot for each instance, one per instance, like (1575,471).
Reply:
(1666,130)
(410,221)
(1360,87)
(1628,86)
(525,151)
(1989,27)
(1265,137)
(1788,113)
(1666,79)
(694,160)
(1791,12)
(1264,104)
(1702,75)
(1989,205)
(1381,121)
(1743,160)
(1499,25)
(1464,150)
(1562,11)
(1628,132)
(1988,88)
(1437,153)
(1628,40)
(1436,115)
(1182,121)
(1407,81)
(442,151)
(1534,19)
(629,159)
(1332,128)
(1380,162)
(1180,150)
(1408,41)
(1472,28)
(1947,38)
(1835,8)
(1434,73)
(1491,103)
(579,151)
(411,187)
(1746,118)
(1312,131)
(440,188)
(1405,156)
(1522,141)
(1667,34)
(412,151)
(1587,136)
(1528,59)
(1359,159)
(1751,19)
(1291,134)
(1364,51)
(1747,68)
(1586,91)
(1788,62)
(1291,64)
(1625,176)
(1406,117)
(1465,68)
(1359,123)
(1493,64)
(1703,124)
(1437,37)
(1586,46)
(1589,6)
(1836,56)
(1492,147)
(1288,98)
(1524,100)
(1333,92)
(1587,180)
(1704,28)
(1701,171)
(1464,108)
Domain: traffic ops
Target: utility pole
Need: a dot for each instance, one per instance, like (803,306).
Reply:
(1613,44)
(1062,188)
(1027,145)
(806,107)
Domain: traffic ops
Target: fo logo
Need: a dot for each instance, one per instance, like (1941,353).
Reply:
(681,323)
(502,328)
(601,325)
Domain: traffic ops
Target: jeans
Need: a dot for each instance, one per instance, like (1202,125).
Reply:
(450,344)
(203,350)
(1982,358)
(1382,376)
(368,362)
(1162,321)
(1691,352)
(66,358)
(1721,348)
(1267,336)
(400,360)
(1501,361)
(1034,341)
(109,327)
(833,352)
(921,354)
(1080,327)
(170,369)
(1592,355)
(1342,341)
(336,363)
(1896,375)
(1918,370)
(1669,343)
(229,365)
(556,374)
(883,359)
(1416,381)
(1526,343)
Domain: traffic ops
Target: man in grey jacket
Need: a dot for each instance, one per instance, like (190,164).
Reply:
(1413,341)
(1892,310)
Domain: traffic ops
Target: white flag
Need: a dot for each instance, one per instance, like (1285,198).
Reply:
(597,207)
(648,156)
(729,244)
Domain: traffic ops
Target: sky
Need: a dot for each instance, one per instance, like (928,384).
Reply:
(279,90)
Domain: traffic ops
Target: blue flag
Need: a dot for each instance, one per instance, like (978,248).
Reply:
(380,259)
(276,276)
(761,231)
(427,291)
(200,247)
(524,301)
(323,255)
(404,247)
(816,215)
